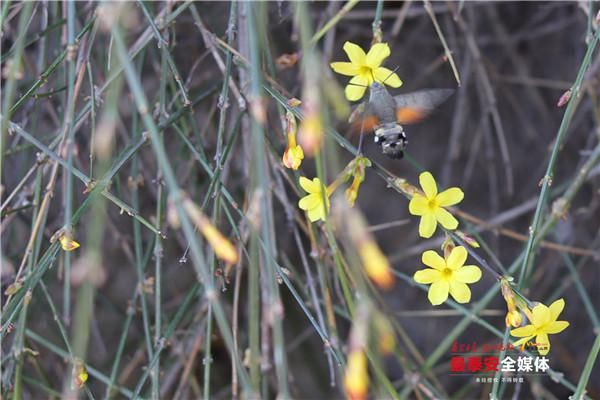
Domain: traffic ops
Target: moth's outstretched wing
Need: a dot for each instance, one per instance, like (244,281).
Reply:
(363,118)
(415,106)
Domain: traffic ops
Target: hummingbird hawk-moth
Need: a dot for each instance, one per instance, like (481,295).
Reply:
(385,114)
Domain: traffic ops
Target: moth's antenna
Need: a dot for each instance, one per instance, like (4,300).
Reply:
(391,73)
(357,84)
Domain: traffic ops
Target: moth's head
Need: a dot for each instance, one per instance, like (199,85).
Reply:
(376,89)
(376,86)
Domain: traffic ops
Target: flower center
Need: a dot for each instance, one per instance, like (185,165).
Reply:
(367,72)
(432,204)
(447,273)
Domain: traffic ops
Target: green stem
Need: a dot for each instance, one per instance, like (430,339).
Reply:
(547,180)
(69,145)
(587,370)
(261,187)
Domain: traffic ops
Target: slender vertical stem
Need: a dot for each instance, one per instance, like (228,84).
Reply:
(547,180)
(587,370)
(261,186)
(13,70)
(376,25)
(20,331)
(160,204)
(68,126)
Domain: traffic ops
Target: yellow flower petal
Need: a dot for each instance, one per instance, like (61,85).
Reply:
(345,68)
(524,331)
(317,213)
(377,55)
(556,327)
(543,344)
(540,315)
(427,226)
(457,258)
(433,260)
(428,184)
(293,156)
(468,274)
(356,88)
(460,292)
(298,155)
(446,219)
(418,205)
(438,292)
(316,203)
(308,185)
(556,308)
(356,55)
(450,197)
(426,276)
(387,76)
(310,201)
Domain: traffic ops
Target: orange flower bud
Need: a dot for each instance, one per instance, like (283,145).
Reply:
(385,334)
(292,157)
(67,243)
(356,380)
(310,134)
(376,264)
(513,318)
(80,374)
(222,247)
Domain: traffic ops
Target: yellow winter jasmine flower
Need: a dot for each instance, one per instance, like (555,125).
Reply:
(448,275)
(365,69)
(543,322)
(313,202)
(430,205)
